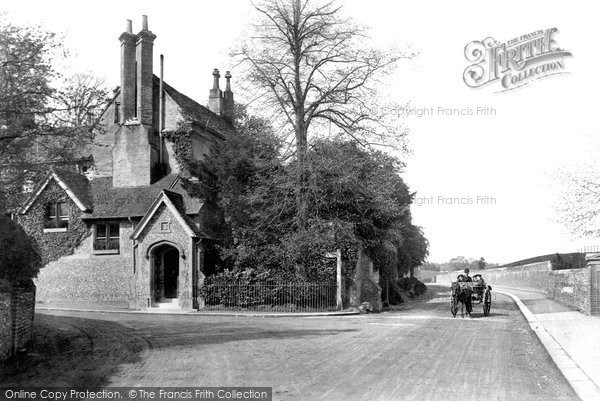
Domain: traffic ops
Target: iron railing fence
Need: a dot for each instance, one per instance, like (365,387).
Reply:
(590,249)
(291,297)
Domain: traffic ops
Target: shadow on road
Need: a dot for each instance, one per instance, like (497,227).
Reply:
(80,351)
(71,351)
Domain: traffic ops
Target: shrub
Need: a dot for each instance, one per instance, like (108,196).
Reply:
(412,284)
(420,288)
(568,261)
(20,259)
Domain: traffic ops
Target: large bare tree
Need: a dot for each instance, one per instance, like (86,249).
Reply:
(312,65)
(578,207)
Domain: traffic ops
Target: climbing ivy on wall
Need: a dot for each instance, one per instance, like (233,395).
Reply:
(53,245)
(181,141)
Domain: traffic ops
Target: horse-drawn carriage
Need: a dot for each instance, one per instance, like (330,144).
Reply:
(475,291)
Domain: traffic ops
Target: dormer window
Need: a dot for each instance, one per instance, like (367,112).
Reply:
(57,216)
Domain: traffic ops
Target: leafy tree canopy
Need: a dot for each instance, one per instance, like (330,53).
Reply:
(20,258)
(44,118)
(356,198)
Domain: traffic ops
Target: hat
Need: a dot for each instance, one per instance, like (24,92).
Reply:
(467,270)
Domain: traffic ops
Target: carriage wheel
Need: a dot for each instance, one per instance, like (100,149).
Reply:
(487,302)
(453,305)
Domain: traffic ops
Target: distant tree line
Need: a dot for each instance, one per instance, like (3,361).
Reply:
(459,263)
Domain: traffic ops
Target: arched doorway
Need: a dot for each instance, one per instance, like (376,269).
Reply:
(165,274)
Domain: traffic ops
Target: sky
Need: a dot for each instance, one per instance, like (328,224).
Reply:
(483,162)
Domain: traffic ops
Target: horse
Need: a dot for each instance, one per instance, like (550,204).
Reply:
(461,294)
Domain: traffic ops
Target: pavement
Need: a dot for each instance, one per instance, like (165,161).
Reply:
(156,311)
(571,338)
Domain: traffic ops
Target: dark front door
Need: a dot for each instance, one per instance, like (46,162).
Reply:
(171,272)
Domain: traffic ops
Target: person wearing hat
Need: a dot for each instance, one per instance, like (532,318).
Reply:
(467,277)
(468,300)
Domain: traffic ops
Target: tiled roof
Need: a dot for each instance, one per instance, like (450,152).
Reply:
(198,113)
(76,186)
(178,201)
(123,202)
(77,183)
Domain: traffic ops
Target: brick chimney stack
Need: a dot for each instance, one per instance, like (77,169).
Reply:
(132,153)
(215,98)
(229,112)
(144,45)
(128,81)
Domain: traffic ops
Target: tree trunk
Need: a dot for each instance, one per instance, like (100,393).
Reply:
(301,189)
(302,181)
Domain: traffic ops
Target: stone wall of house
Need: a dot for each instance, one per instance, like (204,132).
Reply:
(101,281)
(17,307)
(571,287)
(132,156)
(104,141)
(153,235)
(173,118)
(86,279)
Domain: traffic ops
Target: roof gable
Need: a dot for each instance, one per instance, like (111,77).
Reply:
(75,186)
(174,202)
(199,114)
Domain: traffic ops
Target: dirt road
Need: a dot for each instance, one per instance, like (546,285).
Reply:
(421,353)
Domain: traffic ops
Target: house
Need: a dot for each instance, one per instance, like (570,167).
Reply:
(123,231)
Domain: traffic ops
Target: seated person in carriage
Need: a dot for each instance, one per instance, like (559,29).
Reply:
(478,280)
(479,287)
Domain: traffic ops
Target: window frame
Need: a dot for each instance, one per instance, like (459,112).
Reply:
(56,218)
(107,238)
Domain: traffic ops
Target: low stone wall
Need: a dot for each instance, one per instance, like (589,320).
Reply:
(17,307)
(571,287)
(532,276)
(102,280)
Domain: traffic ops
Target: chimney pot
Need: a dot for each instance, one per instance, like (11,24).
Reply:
(228,78)
(229,110)
(128,26)
(144,22)
(216,80)
(215,99)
